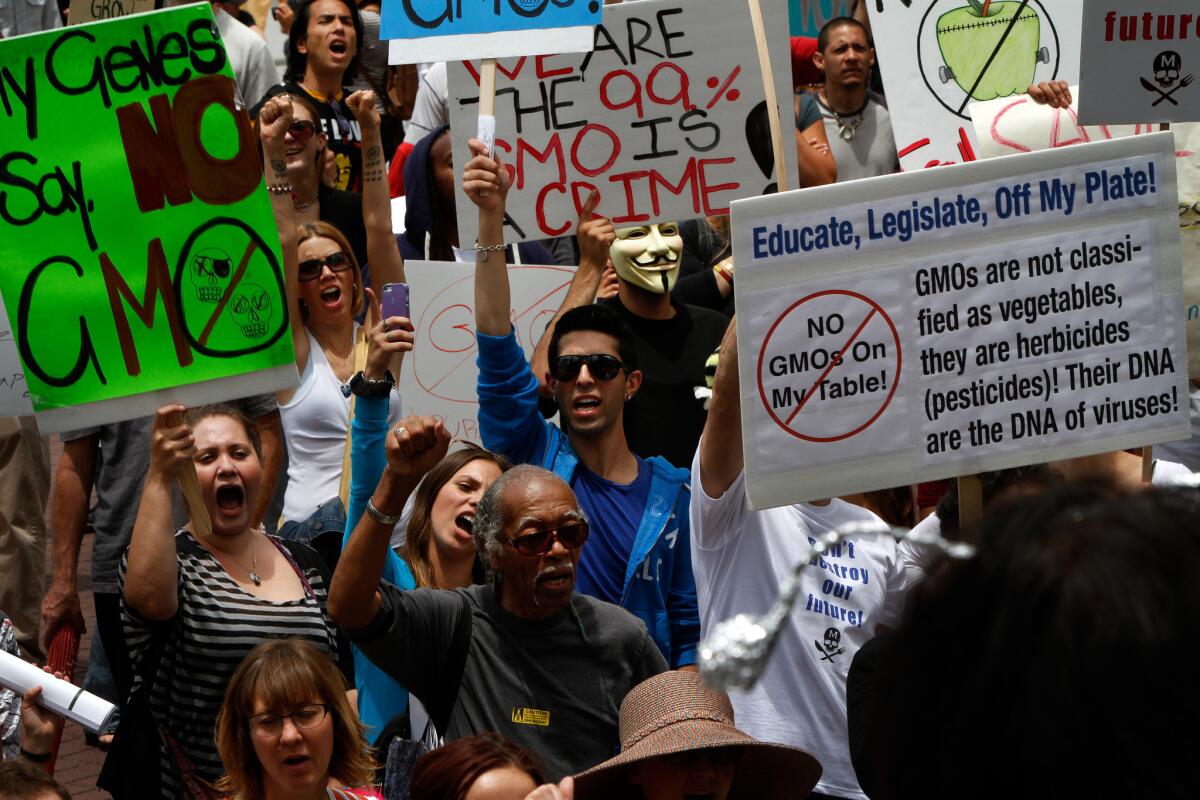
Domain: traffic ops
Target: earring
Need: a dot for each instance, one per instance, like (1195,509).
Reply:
(628,397)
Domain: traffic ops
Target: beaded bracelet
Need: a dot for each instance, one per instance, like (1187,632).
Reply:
(489,248)
(280,188)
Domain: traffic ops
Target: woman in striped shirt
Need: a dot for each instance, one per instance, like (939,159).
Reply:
(194,604)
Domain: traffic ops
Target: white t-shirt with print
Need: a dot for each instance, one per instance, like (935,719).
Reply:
(740,557)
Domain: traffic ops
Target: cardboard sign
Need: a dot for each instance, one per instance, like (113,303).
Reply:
(947,322)
(439,377)
(14,397)
(809,16)
(442,30)
(142,261)
(1139,62)
(666,118)
(938,56)
(1019,125)
(97,10)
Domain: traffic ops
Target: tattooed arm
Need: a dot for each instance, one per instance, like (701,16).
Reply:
(382,252)
(273,121)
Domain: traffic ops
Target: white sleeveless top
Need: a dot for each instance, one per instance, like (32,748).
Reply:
(316,422)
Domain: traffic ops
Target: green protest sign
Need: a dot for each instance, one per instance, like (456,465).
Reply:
(140,258)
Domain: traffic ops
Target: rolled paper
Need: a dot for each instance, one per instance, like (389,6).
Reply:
(487,132)
(61,697)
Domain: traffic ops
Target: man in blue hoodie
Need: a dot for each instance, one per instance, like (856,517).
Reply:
(639,553)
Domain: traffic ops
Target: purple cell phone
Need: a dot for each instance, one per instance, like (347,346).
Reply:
(395,300)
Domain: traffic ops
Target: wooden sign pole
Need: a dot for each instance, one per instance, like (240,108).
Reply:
(764,66)
(487,103)
(1147,464)
(970,507)
(189,482)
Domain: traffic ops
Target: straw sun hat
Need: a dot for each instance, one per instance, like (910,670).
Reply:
(674,712)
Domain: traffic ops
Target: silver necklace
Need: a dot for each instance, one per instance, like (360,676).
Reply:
(847,123)
(254,576)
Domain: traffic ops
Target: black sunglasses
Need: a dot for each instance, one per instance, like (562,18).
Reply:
(302,130)
(310,269)
(570,536)
(602,366)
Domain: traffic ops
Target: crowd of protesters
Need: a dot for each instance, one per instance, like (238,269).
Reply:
(374,610)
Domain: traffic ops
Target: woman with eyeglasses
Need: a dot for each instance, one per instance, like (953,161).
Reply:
(325,292)
(287,731)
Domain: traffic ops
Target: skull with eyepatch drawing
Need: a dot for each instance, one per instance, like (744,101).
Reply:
(648,256)
(209,272)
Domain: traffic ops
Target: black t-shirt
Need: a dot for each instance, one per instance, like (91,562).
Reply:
(342,133)
(665,418)
(344,211)
(553,686)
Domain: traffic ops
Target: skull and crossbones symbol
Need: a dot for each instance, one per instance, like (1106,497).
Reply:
(829,650)
(1167,66)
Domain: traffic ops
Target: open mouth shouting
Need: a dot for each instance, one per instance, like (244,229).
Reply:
(557,578)
(586,407)
(331,297)
(339,47)
(231,499)
(464,525)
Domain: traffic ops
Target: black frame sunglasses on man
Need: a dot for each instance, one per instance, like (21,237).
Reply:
(601,366)
(570,535)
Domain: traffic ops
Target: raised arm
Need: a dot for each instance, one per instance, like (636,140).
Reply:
(486,182)
(270,434)
(274,119)
(152,578)
(383,254)
(721,443)
(73,481)
(414,447)
(595,235)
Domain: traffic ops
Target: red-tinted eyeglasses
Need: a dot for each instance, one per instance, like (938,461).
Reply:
(302,130)
(570,536)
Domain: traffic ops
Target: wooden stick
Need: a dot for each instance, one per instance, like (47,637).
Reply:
(189,482)
(1147,464)
(487,103)
(970,506)
(764,66)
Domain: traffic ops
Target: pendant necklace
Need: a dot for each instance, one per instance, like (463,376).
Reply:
(847,123)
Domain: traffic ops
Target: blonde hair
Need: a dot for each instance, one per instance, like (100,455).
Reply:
(323,230)
(286,673)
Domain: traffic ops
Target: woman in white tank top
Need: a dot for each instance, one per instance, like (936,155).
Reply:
(325,292)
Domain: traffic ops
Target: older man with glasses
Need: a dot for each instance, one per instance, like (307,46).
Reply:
(638,507)
(524,655)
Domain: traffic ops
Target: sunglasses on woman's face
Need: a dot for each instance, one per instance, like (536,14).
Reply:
(602,366)
(310,269)
(570,536)
(301,130)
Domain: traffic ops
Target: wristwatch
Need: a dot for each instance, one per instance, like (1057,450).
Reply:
(380,517)
(362,386)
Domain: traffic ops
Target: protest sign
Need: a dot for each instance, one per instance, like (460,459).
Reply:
(1139,61)
(442,30)
(1019,125)
(809,16)
(438,377)
(14,398)
(940,55)
(96,10)
(666,118)
(947,322)
(142,265)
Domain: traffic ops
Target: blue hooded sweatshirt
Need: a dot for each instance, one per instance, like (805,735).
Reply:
(659,587)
